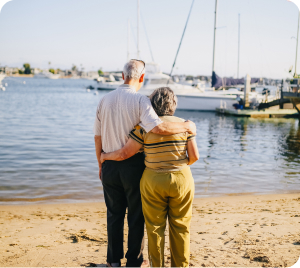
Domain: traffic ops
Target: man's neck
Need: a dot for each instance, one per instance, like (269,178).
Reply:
(132,83)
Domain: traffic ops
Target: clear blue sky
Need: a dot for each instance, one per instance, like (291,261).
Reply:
(94,33)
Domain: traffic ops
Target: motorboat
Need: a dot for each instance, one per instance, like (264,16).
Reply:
(109,82)
(47,74)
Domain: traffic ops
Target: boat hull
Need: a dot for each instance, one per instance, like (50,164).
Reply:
(204,103)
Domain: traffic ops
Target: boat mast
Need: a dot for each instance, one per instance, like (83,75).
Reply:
(181,41)
(128,41)
(238,67)
(215,29)
(138,29)
(297,45)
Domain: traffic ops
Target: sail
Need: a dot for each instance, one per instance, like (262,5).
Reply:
(219,82)
(296,2)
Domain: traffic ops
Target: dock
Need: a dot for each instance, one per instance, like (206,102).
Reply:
(266,113)
(294,97)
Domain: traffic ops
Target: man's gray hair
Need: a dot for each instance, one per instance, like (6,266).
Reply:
(164,101)
(133,70)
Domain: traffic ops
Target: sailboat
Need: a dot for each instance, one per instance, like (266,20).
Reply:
(154,78)
(209,100)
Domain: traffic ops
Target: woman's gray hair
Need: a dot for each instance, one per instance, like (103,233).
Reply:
(164,101)
(133,70)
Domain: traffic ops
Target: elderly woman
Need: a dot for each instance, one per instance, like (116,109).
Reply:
(167,185)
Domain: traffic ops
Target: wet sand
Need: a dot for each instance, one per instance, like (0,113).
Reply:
(230,231)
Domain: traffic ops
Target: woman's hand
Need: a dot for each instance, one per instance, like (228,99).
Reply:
(102,158)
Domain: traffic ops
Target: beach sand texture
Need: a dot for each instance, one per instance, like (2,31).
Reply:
(241,231)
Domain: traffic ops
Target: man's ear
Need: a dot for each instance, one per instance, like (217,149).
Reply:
(142,78)
(123,76)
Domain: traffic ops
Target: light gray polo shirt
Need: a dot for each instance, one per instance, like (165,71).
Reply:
(118,113)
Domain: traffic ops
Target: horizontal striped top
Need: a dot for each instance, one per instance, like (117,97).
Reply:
(163,153)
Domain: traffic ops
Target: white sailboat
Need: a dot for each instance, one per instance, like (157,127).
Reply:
(210,99)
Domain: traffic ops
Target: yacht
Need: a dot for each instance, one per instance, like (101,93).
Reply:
(191,97)
(46,74)
(209,100)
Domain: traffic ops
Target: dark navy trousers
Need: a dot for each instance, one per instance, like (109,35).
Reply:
(121,186)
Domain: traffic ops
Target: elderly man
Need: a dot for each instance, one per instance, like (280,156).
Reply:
(117,114)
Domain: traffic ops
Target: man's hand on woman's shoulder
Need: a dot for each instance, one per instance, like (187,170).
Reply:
(191,127)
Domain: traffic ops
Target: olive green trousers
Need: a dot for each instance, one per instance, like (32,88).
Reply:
(168,195)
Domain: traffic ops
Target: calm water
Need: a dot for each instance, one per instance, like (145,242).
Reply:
(47,147)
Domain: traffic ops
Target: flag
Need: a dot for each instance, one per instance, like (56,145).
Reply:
(296,2)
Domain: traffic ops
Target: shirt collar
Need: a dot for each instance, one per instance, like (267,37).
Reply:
(126,86)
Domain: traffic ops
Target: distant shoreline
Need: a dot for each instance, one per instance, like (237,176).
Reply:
(32,76)
(22,75)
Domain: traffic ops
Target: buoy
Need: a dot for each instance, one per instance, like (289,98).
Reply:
(24,82)
(3,88)
(88,90)
(96,93)
(6,84)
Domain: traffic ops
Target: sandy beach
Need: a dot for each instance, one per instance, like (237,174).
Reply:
(228,231)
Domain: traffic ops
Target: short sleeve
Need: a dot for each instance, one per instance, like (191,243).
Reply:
(138,134)
(148,117)
(190,137)
(97,123)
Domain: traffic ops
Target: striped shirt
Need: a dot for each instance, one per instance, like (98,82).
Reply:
(118,113)
(163,153)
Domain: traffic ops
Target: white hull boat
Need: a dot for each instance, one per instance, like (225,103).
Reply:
(192,98)
(209,101)
(47,75)
(204,102)
(109,85)
(109,82)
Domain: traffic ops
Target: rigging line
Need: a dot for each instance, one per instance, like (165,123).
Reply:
(148,41)
(181,41)
(132,31)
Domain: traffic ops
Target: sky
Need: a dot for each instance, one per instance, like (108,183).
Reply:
(93,34)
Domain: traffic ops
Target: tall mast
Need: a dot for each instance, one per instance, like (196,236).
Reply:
(128,41)
(238,66)
(138,29)
(215,29)
(297,46)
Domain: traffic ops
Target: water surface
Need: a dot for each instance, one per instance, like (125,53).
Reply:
(47,147)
